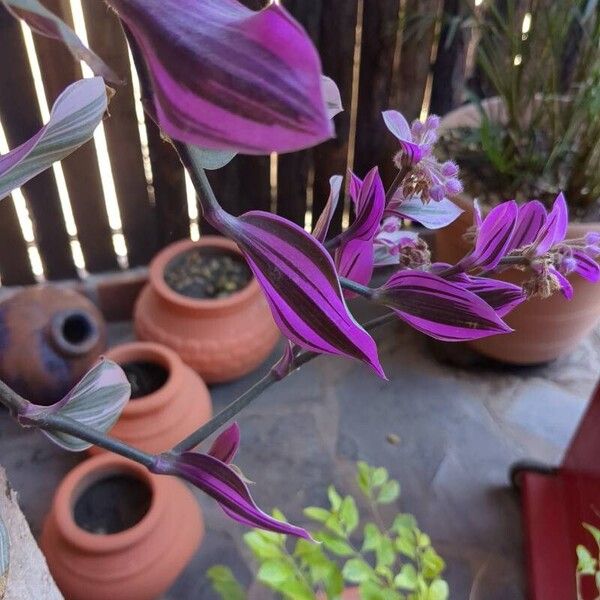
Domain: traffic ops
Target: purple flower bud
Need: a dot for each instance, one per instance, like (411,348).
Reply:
(592,238)
(417,128)
(437,193)
(449,169)
(453,187)
(432,122)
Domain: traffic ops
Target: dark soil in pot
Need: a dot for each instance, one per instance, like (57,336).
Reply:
(112,505)
(144,377)
(206,273)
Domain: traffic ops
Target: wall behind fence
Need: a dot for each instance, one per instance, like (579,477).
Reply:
(124,195)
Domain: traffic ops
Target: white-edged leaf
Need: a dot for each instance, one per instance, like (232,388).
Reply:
(74,117)
(433,215)
(4,558)
(46,23)
(96,401)
(212,159)
(333,98)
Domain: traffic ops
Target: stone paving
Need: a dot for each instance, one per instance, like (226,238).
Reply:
(460,423)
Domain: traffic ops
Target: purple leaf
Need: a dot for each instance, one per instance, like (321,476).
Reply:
(433,215)
(96,401)
(75,115)
(399,127)
(299,280)
(493,237)
(226,77)
(555,227)
(354,257)
(500,295)
(226,445)
(586,266)
(46,23)
(439,308)
(222,483)
(322,226)
(530,219)
(565,285)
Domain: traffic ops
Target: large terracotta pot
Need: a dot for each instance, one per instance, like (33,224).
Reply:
(223,338)
(49,338)
(544,328)
(157,421)
(138,563)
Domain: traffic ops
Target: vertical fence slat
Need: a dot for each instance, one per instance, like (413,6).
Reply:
(122,137)
(379,33)
(21,119)
(337,55)
(292,170)
(169,189)
(81,168)
(14,262)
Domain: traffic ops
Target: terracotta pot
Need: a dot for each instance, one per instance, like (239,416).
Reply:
(544,329)
(222,339)
(139,563)
(49,338)
(157,421)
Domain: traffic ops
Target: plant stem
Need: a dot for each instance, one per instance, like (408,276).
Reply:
(8,397)
(361,290)
(402,173)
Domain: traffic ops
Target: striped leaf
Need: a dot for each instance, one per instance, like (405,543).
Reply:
(530,219)
(96,401)
(322,226)
(299,280)
(225,77)
(4,558)
(46,23)
(441,309)
(586,266)
(500,295)
(433,215)
(555,227)
(74,117)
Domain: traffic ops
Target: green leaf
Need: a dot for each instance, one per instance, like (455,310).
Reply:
(404,524)
(211,159)
(4,558)
(389,492)
(432,564)
(333,524)
(349,514)
(363,478)
(406,546)
(438,590)
(334,582)
(379,476)
(96,401)
(385,553)
(224,583)
(371,537)
(586,564)
(316,513)
(423,540)
(334,498)
(356,571)
(594,531)
(307,551)
(274,572)
(334,544)
(296,590)
(370,590)
(262,548)
(407,579)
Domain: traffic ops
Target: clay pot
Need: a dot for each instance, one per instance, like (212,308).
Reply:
(223,338)
(156,421)
(49,338)
(544,328)
(138,563)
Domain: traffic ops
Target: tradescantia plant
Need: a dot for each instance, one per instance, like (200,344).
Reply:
(220,79)
(395,562)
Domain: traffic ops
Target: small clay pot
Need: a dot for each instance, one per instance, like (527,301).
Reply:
(49,338)
(544,328)
(141,562)
(156,421)
(221,338)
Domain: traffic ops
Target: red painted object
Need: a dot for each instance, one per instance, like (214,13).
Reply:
(555,504)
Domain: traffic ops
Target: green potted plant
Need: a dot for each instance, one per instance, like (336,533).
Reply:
(537,135)
(393,561)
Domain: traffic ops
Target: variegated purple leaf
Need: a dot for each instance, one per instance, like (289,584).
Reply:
(439,308)
(493,237)
(74,117)
(530,219)
(555,228)
(399,127)
(96,401)
(227,77)
(433,215)
(477,214)
(354,257)
(299,280)
(565,285)
(222,483)
(226,445)
(586,266)
(322,226)
(285,364)
(333,99)
(46,23)
(500,295)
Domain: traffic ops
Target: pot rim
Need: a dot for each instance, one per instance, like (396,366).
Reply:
(155,353)
(80,478)
(162,259)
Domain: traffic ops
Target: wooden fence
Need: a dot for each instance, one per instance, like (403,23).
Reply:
(102,211)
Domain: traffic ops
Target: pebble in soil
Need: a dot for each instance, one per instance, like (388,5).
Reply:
(202,274)
(144,377)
